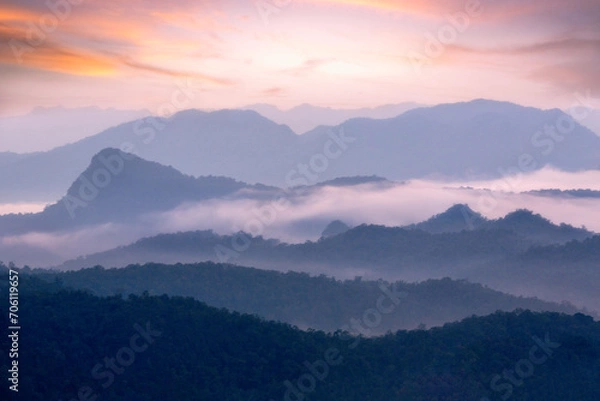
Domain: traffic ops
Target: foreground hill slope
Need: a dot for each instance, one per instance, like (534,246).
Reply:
(158,348)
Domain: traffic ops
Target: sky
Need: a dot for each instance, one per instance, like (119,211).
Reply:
(337,53)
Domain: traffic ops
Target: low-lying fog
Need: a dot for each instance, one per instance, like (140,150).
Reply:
(300,217)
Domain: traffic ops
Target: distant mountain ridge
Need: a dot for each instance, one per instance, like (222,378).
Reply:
(477,139)
(190,141)
(37,131)
(384,247)
(336,227)
(305,117)
(514,254)
(532,226)
(457,218)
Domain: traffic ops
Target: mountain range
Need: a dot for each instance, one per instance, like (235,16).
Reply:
(306,117)
(477,139)
(444,239)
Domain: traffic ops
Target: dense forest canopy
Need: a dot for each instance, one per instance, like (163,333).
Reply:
(79,346)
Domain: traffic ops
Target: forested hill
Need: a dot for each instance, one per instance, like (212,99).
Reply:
(74,345)
(298,298)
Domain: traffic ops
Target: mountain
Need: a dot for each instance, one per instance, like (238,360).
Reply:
(584,251)
(367,248)
(592,121)
(532,227)
(78,346)
(316,302)
(10,157)
(538,229)
(492,254)
(46,128)
(223,143)
(455,219)
(478,139)
(306,117)
(118,187)
(336,227)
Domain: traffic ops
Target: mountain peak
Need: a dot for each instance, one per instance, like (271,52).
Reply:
(112,170)
(457,218)
(231,114)
(334,228)
(121,184)
(107,152)
(189,113)
(525,215)
(538,228)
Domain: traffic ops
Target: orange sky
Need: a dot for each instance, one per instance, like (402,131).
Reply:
(338,53)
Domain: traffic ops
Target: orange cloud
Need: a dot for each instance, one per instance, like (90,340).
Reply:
(173,73)
(51,57)
(99,38)
(10,14)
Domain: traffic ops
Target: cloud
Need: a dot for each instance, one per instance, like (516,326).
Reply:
(174,73)
(571,76)
(307,67)
(541,179)
(557,45)
(310,212)
(274,91)
(567,63)
(8,208)
(398,205)
(51,57)
(100,38)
